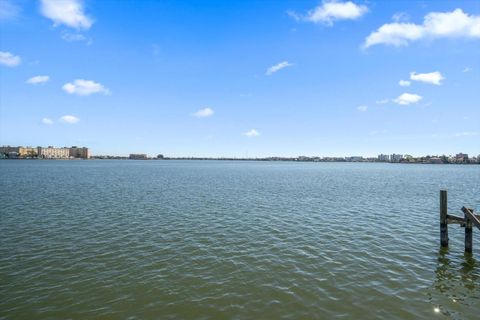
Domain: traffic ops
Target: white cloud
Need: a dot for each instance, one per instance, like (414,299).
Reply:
(38,79)
(69,119)
(332,10)
(203,113)
(407,98)
(252,133)
(67,12)
(383,101)
(396,34)
(278,67)
(404,83)
(9,60)
(83,87)
(467,69)
(47,121)
(8,11)
(454,24)
(362,108)
(432,77)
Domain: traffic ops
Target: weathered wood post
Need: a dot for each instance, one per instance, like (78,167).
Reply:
(470,220)
(443,219)
(468,234)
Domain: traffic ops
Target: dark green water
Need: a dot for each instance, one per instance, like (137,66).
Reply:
(234,240)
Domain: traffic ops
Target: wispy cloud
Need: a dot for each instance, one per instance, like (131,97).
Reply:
(404,83)
(466,69)
(67,12)
(401,17)
(8,10)
(38,79)
(382,101)
(362,108)
(69,119)
(454,24)
(251,133)
(432,77)
(72,37)
(204,113)
(8,59)
(467,134)
(407,98)
(278,67)
(332,10)
(47,121)
(83,87)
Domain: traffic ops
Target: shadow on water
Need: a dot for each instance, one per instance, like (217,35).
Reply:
(455,292)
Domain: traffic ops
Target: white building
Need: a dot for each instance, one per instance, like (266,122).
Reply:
(53,153)
(383,157)
(396,157)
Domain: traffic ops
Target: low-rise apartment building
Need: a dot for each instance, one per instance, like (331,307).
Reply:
(44,153)
(79,152)
(53,153)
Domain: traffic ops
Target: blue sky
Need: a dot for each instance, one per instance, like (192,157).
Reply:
(241,78)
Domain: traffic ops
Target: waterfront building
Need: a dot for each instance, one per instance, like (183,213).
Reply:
(396,157)
(383,157)
(77,152)
(8,149)
(435,160)
(27,152)
(461,157)
(354,159)
(44,153)
(53,153)
(138,156)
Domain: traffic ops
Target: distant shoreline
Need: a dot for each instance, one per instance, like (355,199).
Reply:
(248,159)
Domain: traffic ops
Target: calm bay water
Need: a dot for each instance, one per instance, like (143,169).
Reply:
(234,240)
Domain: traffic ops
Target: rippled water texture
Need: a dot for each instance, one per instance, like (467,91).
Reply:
(238,240)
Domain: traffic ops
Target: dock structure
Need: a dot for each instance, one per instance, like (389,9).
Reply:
(468,220)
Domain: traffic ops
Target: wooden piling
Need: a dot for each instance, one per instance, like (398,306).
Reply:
(470,220)
(468,235)
(443,219)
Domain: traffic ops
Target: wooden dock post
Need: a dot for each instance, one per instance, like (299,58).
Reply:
(443,219)
(471,220)
(468,235)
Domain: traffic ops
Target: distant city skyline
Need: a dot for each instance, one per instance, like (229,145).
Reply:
(242,78)
(83,152)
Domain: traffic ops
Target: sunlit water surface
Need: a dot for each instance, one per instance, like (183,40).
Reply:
(234,240)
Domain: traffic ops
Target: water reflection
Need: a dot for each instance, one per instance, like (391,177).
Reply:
(456,285)
(469,276)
